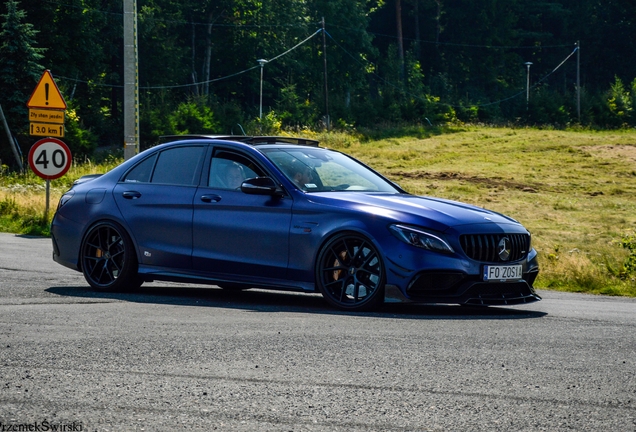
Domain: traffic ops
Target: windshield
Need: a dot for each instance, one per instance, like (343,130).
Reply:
(321,170)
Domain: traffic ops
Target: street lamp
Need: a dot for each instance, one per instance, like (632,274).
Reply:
(260,111)
(528,64)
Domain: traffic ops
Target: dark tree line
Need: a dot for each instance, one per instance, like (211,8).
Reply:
(388,62)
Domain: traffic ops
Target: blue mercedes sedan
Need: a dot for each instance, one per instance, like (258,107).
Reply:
(283,213)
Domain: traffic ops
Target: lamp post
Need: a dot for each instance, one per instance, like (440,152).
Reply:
(260,111)
(528,64)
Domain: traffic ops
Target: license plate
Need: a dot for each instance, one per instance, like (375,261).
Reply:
(502,273)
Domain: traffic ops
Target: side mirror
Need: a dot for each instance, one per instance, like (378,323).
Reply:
(260,186)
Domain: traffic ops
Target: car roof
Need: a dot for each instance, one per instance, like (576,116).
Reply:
(252,140)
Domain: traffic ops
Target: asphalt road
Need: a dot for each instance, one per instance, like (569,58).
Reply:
(177,357)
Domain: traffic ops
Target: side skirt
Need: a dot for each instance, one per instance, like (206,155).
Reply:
(150,274)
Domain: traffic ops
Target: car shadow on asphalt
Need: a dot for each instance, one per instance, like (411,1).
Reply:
(258,300)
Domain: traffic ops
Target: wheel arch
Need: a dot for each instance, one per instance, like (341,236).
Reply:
(353,229)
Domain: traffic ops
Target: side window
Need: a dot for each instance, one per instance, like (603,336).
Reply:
(178,166)
(228,170)
(141,172)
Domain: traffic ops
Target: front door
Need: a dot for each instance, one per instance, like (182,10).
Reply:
(235,233)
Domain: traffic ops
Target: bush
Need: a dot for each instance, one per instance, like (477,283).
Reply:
(294,110)
(8,207)
(550,108)
(629,266)
(270,124)
(191,117)
(619,103)
(81,141)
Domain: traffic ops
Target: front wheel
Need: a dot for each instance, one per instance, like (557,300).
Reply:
(109,262)
(350,273)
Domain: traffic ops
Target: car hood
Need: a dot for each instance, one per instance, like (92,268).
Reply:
(435,213)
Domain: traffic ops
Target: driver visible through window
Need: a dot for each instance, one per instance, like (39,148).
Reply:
(301,174)
(320,170)
(229,170)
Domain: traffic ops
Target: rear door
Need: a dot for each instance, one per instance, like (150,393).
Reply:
(155,199)
(235,233)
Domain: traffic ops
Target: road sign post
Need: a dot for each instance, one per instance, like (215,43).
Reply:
(49,158)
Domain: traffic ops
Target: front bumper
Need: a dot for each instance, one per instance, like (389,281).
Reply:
(460,288)
(477,294)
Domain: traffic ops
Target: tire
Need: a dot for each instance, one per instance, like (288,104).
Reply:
(350,273)
(108,258)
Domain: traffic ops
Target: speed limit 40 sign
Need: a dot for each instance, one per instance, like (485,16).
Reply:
(50,158)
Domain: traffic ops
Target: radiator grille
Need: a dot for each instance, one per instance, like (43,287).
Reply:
(484,247)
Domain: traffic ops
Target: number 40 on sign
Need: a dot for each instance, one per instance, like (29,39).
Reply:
(50,158)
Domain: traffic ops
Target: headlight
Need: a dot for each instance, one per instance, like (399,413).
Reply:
(420,239)
(65,198)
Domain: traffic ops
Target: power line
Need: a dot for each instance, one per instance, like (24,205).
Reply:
(396,86)
(536,84)
(200,82)
(294,47)
(400,88)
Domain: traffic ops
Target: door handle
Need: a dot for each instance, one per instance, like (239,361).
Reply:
(210,198)
(131,195)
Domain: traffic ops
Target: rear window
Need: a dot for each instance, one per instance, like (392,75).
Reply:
(142,171)
(177,166)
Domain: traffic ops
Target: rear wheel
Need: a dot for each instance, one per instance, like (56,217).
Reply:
(350,273)
(108,258)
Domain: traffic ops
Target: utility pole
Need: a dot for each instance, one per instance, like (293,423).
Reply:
(208,55)
(131,80)
(261,62)
(578,79)
(13,144)
(416,13)
(398,14)
(528,64)
(324,56)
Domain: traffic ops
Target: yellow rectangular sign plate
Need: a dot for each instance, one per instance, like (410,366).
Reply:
(46,129)
(46,116)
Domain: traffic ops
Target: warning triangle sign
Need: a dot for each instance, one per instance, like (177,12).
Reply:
(46,94)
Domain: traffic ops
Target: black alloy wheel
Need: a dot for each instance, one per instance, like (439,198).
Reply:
(108,258)
(350,273)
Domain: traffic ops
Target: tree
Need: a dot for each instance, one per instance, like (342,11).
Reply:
(20,68)
(400,37)
(350,52)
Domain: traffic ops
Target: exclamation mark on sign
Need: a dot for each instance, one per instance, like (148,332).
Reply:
(46,92)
